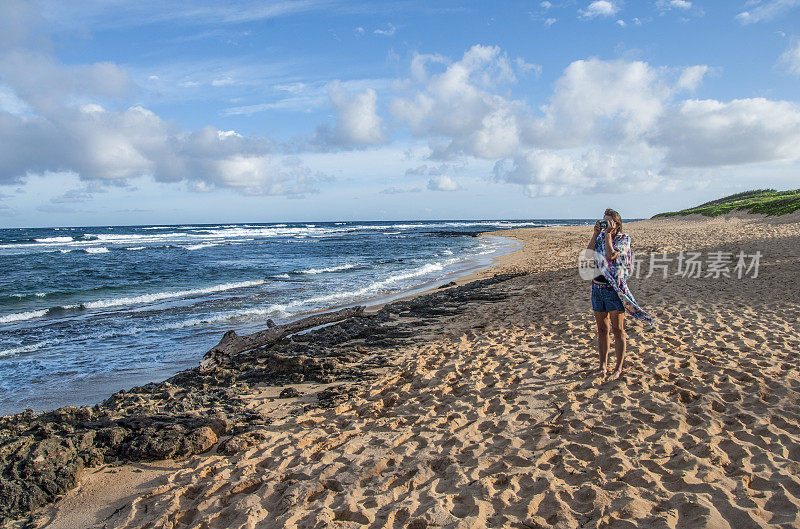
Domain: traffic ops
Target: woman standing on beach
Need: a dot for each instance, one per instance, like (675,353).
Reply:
(611,297)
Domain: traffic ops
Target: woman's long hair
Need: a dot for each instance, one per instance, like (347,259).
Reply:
(614,214)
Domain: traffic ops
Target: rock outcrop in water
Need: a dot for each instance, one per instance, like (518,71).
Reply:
(42,455)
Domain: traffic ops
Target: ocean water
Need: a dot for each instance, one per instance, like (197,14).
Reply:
(87,311)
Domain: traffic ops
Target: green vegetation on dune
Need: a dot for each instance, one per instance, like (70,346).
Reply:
(764,201)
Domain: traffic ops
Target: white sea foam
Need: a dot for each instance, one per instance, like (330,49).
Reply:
(21,316)
(37,294)
(96,249)
(376,287)
(277,310)
(158,296)
(49,240)
(281,276)
(201,246)
(133,237)
(134,248)
(293,307)
(230,232)
(132,300)
(25,348)
(328,269)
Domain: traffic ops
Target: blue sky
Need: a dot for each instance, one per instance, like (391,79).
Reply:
(167,112)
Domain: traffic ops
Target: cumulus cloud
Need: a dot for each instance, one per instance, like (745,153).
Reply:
(357,121)
(357,116)
(443,183)
(766,10)
(53,118)
(460,104)
(713,133)
(599,8)
(553,173)
(45,84)
(600,101)
(106,145)
(608,124)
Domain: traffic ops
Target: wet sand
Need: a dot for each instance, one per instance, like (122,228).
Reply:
(492,416)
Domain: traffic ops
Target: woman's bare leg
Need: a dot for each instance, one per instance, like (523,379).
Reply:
(602,340)
(620,339)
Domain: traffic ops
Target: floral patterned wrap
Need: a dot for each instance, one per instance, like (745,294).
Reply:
(617,271)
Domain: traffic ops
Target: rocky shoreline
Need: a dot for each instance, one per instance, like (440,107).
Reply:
(43,455)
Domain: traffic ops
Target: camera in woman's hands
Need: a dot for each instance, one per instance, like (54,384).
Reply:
(604,224)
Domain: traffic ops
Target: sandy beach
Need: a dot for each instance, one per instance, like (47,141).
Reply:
(485,410)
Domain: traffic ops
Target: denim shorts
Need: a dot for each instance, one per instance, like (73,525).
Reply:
(605,299)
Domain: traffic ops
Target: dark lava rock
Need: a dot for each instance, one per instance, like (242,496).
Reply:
(336,395)
(289,393)
(240,442)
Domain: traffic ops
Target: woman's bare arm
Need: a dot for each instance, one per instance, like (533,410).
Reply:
(593,241)
(611,254)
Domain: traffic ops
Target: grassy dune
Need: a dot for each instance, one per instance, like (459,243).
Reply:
(764,201)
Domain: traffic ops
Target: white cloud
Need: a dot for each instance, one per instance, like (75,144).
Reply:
(459,103)
(713,133)
(554,173)
(601,101)
(790,58)
(443,183)
(106,145)
(618,124)
(599,8)
(357,119)
(116,145)
(691,77)
(45,84)
(621,23)
(550,21)
(665,5)
(388,32)
(67,118)
(766,10)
